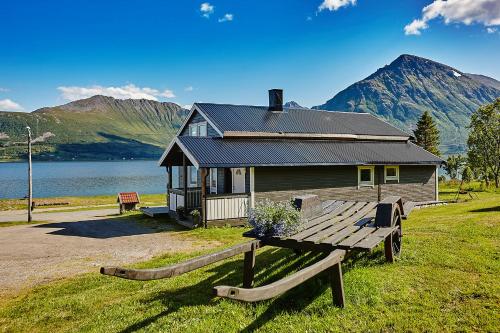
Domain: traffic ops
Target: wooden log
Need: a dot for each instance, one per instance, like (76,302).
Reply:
(249,268)
(337,285)
(180,268)
(279,287)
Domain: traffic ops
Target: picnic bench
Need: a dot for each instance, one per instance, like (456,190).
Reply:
(340,228)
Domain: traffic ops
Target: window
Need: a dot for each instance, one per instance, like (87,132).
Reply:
(198,129)
(366,176)
(391,173)
(193,176)
(213,180)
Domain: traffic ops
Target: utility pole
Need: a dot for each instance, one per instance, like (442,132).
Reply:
(30,183)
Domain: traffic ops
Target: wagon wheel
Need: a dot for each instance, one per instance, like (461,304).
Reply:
(393,242)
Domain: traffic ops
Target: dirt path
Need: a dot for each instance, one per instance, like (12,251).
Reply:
(78,242)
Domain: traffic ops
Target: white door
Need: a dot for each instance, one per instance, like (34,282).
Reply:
(238,175)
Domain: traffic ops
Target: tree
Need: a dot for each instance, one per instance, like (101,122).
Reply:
(453,165)
(484,141)
(427,134)
(467,174)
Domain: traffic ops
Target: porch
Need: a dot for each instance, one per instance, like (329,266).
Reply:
(221,195)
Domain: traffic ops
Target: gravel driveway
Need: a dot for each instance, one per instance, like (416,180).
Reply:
(78,242)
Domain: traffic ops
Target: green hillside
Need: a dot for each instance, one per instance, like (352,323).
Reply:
(401,91)
(95,128)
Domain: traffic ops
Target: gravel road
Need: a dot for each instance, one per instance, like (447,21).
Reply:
(78,242)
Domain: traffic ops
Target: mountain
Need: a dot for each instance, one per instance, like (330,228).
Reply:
(485,80)
(293,105)
(401,91)
(98,127)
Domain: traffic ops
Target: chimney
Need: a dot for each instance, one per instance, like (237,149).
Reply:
(276,100)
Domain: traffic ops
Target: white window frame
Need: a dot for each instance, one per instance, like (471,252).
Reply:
(213,177)
(391,178)
(372,176)
(197,127)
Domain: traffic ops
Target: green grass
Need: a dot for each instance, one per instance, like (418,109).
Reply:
(90,201)
(445,281)
(14,223)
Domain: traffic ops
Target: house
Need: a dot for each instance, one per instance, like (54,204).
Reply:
(225,158)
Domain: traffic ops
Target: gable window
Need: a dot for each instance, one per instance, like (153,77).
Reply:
(391,173)
(366,176)
(198,129)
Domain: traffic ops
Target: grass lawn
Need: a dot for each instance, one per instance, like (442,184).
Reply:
(446,280)
(146,199)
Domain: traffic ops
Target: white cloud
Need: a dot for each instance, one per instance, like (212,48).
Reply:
(485,12)
(491,30)
(128,91)
(226,18)
(9,105)
(415,26)
(206,9)
(189,88)
(309,18)
(333,5)
(188,106)
(4,89)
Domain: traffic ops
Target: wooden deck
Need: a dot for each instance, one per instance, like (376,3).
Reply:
(345,225)
(155,211)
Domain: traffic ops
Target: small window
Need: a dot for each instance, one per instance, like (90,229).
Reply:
(193,176)
(213,180)
(193,130)
(391,173)
(202,129)
(366,176)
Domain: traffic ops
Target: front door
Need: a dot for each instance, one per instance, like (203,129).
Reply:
(238,180)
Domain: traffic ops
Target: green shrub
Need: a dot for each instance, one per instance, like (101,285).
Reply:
(270,218)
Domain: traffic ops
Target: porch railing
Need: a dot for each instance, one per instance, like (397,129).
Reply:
(176,198)
(227,206)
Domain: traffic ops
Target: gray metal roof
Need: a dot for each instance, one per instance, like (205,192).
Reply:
(217,152)
(246,118)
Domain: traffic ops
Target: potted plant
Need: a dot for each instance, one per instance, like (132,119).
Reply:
(181,212)
(278,219)
(195,214)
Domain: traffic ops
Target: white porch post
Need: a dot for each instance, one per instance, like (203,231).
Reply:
(252,187)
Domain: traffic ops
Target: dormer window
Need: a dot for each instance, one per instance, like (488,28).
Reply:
(198,129)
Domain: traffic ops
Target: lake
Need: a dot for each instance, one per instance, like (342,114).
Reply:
(51,179)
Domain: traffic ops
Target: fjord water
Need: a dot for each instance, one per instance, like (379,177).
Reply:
(52,179)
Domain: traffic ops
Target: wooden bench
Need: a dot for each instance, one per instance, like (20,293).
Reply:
(341,228)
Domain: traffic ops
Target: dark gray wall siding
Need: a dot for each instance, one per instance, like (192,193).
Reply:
(196,117)
(417,183)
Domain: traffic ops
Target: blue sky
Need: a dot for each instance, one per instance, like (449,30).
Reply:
(228,51)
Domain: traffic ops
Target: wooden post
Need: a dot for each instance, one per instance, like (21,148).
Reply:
(248,267)
(169,184)
(379,188)
(204,196)
(337,285)
(389,253)
(30,182)
(185,181)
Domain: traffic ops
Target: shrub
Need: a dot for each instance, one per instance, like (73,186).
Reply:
(270,218)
